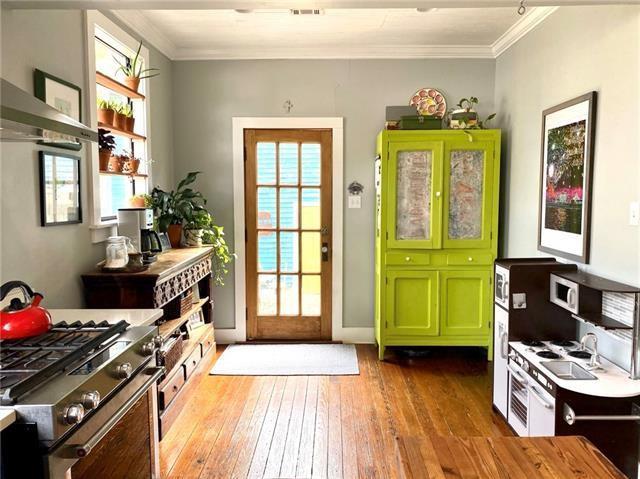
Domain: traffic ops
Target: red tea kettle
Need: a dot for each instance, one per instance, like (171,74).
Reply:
(22,319)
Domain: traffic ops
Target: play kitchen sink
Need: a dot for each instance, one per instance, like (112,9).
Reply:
(567,370)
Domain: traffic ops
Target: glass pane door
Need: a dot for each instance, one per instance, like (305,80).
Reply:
(415,184)
(468,196)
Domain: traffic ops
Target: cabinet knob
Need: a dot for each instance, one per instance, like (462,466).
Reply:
(470,258)
(408,258)
(437,194)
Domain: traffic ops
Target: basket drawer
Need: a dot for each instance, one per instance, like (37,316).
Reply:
(408,259)
(171,388)
(470,259)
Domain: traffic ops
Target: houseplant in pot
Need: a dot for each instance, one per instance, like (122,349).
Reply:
(106,145)
(213,236)
(134,71)
(196,222)
(120,119)
(172,207)
(105,112)
(465,117)
(129,120)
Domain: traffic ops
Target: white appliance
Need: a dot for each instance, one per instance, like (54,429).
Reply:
(131,221)
(502,286)
(500,359)
(564,293)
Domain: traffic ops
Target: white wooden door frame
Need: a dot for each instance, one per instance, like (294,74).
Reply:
(239,333)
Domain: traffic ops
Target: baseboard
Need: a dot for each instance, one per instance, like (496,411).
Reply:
(346,335)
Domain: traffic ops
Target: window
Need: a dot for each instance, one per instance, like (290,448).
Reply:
(114,185)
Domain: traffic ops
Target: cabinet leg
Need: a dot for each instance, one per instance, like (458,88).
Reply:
(490,352)
(381,352)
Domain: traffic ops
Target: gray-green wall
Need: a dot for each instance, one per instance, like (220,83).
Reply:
(207,94)
(51,259)
(574,51)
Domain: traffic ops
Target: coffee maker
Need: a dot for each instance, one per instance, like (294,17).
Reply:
(137,224)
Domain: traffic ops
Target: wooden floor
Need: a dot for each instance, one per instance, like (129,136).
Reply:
(396,419)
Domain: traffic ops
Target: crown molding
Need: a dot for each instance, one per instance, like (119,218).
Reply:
(528,22)
(364,52)
(139,23)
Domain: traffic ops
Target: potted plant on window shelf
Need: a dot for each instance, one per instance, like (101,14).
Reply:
(129,120)
(134,71)
(105,112)
(116,163)
(120,118)
(106,145)
(172,207)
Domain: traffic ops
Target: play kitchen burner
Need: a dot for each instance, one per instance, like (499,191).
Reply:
(74,383)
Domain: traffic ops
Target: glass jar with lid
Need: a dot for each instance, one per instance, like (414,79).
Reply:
(116,256)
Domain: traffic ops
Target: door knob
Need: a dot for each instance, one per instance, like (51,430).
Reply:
(325,251)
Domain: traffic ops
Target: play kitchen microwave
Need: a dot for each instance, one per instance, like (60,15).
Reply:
(564,293)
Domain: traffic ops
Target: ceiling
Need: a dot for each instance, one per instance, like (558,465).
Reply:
(336,33)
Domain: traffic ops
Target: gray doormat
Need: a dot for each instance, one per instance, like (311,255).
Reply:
(287,360)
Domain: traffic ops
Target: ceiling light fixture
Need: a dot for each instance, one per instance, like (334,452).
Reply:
(425,10)
(306,11)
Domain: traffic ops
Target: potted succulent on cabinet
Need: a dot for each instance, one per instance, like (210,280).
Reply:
(134,71)
(106,145)
(105,112)
(172,207)
(466,117)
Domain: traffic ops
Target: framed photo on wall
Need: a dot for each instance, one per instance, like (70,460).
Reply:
(566,170)
(64,97)
(60,194)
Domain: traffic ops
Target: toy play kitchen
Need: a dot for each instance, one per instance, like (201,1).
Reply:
(22,318)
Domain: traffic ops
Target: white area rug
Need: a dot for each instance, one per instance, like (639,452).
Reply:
(287,360)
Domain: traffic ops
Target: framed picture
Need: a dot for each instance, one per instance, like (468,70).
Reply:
(64,97)
(566,169)
(59,189)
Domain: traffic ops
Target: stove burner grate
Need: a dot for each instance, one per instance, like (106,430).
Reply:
(580,354)
(533,343)
(548,355)
(563,343)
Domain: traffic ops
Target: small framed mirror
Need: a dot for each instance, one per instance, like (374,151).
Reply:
(59,189)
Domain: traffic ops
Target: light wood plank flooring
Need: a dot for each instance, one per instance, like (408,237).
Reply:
(328,426)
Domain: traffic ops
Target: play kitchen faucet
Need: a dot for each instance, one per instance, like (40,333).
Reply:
(594,361)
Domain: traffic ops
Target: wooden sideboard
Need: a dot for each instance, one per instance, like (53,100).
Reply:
(162,285)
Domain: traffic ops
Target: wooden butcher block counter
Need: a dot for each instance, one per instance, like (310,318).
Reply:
(561,457)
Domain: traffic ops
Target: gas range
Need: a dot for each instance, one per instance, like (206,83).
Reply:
(60,379)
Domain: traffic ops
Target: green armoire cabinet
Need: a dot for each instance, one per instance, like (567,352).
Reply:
(437,196)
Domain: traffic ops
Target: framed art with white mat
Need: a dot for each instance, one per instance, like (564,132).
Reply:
(566,172)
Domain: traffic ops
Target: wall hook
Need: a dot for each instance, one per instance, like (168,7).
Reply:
(522,9)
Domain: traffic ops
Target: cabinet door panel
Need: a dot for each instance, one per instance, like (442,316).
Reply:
(412,303)
(415,194)
(468,193)
(465,303)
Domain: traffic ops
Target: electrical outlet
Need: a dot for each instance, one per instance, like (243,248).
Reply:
(634,213)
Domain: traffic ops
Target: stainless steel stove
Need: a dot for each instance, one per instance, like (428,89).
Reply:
(74,382)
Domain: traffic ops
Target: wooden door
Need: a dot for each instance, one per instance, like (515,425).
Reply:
(415,194)
(465,302)
(288,215)
(412,303)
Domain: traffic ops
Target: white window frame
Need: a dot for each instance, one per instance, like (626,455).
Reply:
(101,230)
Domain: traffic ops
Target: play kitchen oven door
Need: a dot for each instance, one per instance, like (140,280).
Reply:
(531,410)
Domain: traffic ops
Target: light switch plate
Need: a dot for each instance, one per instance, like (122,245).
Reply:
(634,213)
(355,201)
(519,300)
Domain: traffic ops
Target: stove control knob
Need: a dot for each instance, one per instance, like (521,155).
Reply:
(148,348)
(91,399)
(157,340)
(73,414)
(124,370)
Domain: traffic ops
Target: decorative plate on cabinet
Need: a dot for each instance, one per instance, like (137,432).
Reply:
(429,102)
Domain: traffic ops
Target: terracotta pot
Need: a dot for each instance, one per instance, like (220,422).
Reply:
(175,235)
(105,115)
(104,156)
(132,83)
(128,123)
(136,202)
(115,164)
(120,121)
(131,166)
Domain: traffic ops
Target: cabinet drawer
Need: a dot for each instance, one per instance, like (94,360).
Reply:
(171,388)
(207,341)
(408,259)
(192,362)
(469,259)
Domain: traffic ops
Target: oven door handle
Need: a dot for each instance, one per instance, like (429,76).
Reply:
(517,374)
(83,450)
(539,397)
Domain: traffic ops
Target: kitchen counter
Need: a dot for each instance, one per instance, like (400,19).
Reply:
(612,381)
(135,317)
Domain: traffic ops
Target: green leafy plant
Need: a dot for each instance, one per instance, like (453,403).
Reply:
(132,67)
(222,256)
(172,207)
(104,104)
(106,141)
(466,117)
(126,110)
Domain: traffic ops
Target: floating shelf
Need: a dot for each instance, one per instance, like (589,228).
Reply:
(116,173)
(601,320)
(596,282)
(115,131)
(116,86)
(168,327)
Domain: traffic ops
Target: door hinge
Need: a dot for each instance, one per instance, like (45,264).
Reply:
(386,324)
(386,281)
(490,235)
(387,235)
